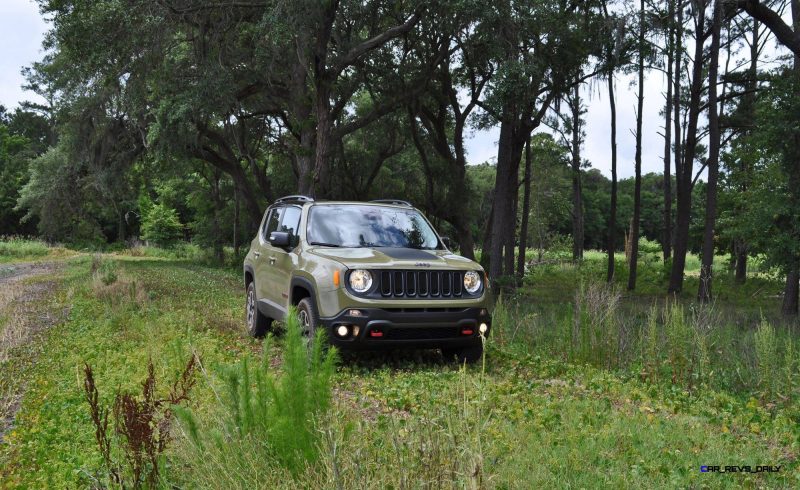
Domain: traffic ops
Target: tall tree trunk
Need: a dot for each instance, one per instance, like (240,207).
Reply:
(505,184)
(706,272)
(513,134)
(637,192)
(612,217)
(666,238)
(790,294)
(792,289)
(676,105)
(740,253)
(526,209)
(510,246)
(740,247)
(216,228)
(577,191)
(684,176)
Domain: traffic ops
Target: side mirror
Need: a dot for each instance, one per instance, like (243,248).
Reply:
(446,242)
(279,239)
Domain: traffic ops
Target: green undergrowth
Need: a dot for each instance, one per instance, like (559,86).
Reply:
(526,418)
(15,249)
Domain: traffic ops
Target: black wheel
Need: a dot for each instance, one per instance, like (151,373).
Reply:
(257,324)
(470,354)
(307,315)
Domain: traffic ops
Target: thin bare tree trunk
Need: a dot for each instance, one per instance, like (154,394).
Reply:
(577,191)
(526,209)
(666,244)
(637,193)
(676,105)
(706,272)
(612,218)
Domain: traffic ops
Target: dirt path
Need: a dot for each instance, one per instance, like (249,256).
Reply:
(25,313)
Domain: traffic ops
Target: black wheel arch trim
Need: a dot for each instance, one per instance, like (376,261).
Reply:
(305,284)
(248,268)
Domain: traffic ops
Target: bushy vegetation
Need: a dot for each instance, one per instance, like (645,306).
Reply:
(161,225)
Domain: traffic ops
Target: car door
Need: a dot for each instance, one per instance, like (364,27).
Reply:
(285,260)
(266,288)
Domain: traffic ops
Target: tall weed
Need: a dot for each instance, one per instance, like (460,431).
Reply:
(265,421)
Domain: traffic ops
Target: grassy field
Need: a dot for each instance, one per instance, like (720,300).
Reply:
(583,386)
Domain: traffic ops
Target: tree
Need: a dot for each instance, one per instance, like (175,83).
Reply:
(683,172)
(706,272)
(637,199)
(787,35)
(440,116)
(671,37)
(539,49)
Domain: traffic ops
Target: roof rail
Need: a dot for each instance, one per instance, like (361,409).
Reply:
(396,202)
(294,198)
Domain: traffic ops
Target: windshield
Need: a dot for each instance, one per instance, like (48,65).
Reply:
(353,225)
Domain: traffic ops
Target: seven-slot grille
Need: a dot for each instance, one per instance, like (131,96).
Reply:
(420,284)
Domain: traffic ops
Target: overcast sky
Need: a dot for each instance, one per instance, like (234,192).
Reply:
(22,29)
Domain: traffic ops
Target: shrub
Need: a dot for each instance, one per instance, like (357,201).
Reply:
(161,226)
(649,246)
(132,448)
(766,347)
(266,423)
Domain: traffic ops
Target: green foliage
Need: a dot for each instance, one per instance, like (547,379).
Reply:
(274,417)
(161,225)
(21,248)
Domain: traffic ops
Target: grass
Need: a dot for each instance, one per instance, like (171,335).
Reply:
(17,249)
(532,416)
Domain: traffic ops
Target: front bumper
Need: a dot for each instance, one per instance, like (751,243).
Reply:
(375,328)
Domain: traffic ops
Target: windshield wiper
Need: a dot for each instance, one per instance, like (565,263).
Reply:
(324,244)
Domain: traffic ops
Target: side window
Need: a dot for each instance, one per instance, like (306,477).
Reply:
(271,224)
(291,220)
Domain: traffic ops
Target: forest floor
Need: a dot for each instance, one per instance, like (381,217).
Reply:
(403,420)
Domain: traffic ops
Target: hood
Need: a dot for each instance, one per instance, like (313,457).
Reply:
(395,258)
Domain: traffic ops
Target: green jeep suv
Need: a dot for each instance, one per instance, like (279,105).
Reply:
(372,274)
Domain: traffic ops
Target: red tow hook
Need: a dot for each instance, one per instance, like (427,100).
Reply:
(467,331)
(375,333)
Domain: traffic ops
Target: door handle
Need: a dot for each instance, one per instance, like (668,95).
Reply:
(257,254)
(272,261)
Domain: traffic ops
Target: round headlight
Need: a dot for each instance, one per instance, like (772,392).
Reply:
(360,280)
(472,282)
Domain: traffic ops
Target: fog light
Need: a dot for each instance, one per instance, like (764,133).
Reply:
(483,328)
(354,313)
(356,329)
(342,331)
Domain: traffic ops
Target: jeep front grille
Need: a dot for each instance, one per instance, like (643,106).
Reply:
(420,284)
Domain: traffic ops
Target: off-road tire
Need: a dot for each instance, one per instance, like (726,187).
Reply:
(470,354)
(308,317)
(257,324)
